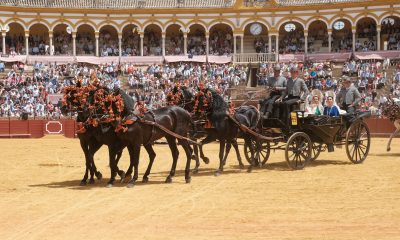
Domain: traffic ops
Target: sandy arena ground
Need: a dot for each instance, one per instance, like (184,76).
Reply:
(40,197)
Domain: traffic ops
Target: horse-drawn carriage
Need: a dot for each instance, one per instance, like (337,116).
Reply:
(307,136)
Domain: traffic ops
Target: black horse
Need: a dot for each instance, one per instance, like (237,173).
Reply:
(246,115)
(143,130)
(225,128)
(93,137)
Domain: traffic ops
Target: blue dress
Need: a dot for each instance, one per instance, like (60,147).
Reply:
(331,111)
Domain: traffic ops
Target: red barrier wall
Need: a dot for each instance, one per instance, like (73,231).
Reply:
(67,127)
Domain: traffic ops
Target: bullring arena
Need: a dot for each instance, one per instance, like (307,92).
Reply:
(308,90)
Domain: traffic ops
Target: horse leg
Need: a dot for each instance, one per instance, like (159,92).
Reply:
(113,166)
(152,156)
(175,154)
(85,149)
(221,157)
(120,173)
(186,147)
(391,137)
(239,158)
(134,152)
(206,140)
(196,158)
(227,150)
(93,148)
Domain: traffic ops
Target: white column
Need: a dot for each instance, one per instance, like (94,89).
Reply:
(305,42)
(269,43)
(241,44)
(97,35)
(27,42)
(354,40)
(207,44)
(234,44)
(330,41)
(74,44)
(4,34)
(185,50)
(277,47)
(141,44)
(51,43)
(378,38)
(120,44)
(163,43)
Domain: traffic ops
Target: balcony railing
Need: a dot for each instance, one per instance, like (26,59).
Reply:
(117,4)
(254,57)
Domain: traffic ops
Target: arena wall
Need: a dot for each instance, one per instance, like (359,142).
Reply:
(67,127)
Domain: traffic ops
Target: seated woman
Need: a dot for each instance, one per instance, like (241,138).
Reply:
(313,105)
(330,109)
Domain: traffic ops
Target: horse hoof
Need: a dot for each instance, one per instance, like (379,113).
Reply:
(249,169)
(121,174)
(99,175)
(188,180)
(145,180)
(168,180)
(241,166)
(196,170)
(130,185)
(388,149)
(206,160)
(217,173)
(109,185)
(83,183)
(127,179)
(91,181)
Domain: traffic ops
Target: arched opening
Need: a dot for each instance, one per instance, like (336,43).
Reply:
(62,40)
(390,33)
(85,40)
(197,40)
(221,40)
(15,39)
(342,37)
(291,38)
(152,41)
(130,41)
(174,40)
(255,38)
(39,40)
(318,37)
(108,41)
(366,35)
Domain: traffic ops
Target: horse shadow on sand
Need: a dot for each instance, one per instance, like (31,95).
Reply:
(156,178)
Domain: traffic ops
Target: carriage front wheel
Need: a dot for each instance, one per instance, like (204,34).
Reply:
(261,149)
(298,150)
(358,141)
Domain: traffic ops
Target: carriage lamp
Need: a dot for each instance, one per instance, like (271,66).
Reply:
(293,116)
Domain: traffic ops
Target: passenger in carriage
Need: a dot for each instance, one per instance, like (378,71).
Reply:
(313,104)
(349,96)
(296,90)
(330,109)
(277,84)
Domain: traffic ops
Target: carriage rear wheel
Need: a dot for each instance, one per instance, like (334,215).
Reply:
(298,150)
(358,141)
(261,149)
(316,150)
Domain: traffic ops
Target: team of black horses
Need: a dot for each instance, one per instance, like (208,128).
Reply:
(111,117)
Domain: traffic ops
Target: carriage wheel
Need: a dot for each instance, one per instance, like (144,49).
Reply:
(263,149)
(316,150)
(298,150)
(358,141)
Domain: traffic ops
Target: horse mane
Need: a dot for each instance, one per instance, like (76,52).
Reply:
(187,95)
(218,103)
(391,110)
(129,104)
